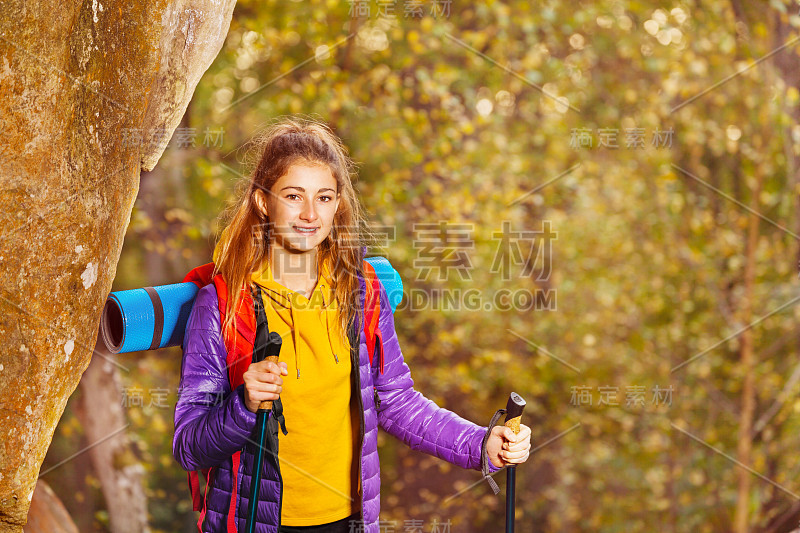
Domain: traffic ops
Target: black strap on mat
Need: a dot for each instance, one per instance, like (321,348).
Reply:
(158,318)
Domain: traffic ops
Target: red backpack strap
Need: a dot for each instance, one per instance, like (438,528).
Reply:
(238,342)
(234,488)
(199,502)
(194,487)
(372,312)
(200,276)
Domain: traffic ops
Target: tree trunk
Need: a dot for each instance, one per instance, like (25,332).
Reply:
(164,182)
(47,513)
(92,92)
(114,462)
(745,438)
(785,61)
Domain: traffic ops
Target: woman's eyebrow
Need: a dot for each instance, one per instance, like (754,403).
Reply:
(303,190)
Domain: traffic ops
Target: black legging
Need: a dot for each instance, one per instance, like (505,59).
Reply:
(340,526)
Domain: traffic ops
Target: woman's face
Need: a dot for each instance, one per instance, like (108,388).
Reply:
(305,197)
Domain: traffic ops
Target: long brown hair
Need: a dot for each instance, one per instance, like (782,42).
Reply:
(244,244)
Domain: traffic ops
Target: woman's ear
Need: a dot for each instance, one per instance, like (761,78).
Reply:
(260,200)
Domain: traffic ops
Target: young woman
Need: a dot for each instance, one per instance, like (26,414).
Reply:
(295,242)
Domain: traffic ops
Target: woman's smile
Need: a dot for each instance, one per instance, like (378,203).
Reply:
(306,231)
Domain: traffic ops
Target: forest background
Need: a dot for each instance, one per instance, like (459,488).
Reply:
(628,173)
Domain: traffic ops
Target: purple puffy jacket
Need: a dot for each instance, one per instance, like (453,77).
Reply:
(212,422)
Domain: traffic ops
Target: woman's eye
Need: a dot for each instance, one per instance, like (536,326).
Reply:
(290,195)
(327,198)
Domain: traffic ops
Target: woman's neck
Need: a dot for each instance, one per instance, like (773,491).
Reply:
(295,271)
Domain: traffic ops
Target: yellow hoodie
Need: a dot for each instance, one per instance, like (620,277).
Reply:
(318,455)
(296,311)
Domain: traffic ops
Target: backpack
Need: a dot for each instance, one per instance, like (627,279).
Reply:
(239,347)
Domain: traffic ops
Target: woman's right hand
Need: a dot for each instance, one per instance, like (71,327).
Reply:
(263,381)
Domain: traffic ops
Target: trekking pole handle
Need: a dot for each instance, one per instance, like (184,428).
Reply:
(514,411)
(270,353)
(266,405)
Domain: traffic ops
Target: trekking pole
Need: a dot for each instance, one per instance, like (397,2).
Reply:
(513,417)
(270,352)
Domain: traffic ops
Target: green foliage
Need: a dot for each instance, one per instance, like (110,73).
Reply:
(648,263)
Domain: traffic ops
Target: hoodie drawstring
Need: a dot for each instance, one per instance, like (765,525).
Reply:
(326,312)
(296,325)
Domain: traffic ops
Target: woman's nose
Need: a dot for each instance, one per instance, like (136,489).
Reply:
(309,212)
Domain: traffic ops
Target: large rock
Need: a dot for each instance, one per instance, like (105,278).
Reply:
(91,92)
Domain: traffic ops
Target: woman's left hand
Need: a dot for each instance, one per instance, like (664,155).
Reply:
(506,447)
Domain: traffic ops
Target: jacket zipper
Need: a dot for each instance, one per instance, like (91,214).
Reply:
(277,463)
(376,356)
(356,349)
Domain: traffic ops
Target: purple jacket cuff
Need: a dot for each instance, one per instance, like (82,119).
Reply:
(244,418)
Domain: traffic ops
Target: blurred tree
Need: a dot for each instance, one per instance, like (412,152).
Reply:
(47,513)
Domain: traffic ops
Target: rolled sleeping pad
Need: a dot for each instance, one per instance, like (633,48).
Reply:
(390,279)
(148,318)
(155,317)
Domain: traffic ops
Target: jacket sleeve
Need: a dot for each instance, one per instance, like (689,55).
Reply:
(211,422)
(416,420)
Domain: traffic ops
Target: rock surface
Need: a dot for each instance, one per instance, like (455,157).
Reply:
(92,92)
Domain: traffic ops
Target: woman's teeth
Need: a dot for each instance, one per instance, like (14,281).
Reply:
(307,231)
